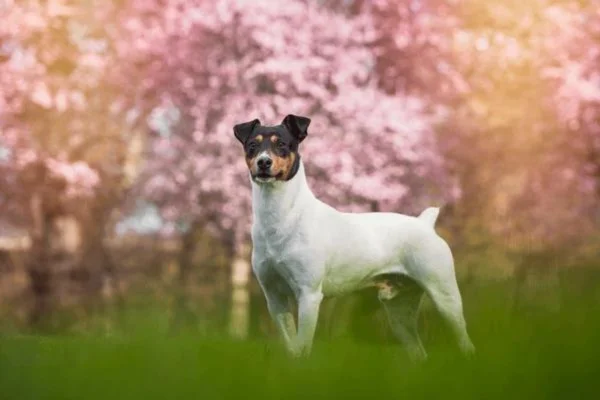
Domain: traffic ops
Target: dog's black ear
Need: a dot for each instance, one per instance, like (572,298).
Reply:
(244,130)
(297,126)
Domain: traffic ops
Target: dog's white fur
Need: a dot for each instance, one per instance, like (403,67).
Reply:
(303,249)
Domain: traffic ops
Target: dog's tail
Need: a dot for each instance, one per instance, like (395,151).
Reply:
(429,215)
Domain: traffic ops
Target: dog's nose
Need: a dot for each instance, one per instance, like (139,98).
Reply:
(264,163)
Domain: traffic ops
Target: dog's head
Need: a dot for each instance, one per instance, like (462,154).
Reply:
(272,151)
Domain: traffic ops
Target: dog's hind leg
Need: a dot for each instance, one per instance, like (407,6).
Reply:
(433,268)
(401,306)
(447,299)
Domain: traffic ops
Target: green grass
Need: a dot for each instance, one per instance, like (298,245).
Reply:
(538,351)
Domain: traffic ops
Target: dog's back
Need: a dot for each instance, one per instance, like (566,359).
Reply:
(362,246)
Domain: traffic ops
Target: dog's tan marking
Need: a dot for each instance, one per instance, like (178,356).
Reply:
(259,138)
(387,290)
(282,166)
(274,139)
(250,163)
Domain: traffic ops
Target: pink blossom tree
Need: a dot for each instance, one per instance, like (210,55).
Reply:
(491,107)
(533,75)
(521,81)
(210,65)
(60,139)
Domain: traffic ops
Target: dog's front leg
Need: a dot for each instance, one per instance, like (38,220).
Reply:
(281,313)
(309,302)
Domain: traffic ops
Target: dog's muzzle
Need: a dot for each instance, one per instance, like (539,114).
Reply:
(264,163)
(263,169)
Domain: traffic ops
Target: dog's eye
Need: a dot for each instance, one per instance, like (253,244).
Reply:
(252,146)
(281,145)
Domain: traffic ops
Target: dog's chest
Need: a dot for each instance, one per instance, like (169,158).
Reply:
(286,253)
(279,247)
(278,232)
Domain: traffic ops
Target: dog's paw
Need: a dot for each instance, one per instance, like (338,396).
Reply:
(299,351)
(417,355)
(468,349)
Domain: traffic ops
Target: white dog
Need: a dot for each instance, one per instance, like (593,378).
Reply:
(303,249)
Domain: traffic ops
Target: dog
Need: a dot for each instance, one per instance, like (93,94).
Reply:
(304,249)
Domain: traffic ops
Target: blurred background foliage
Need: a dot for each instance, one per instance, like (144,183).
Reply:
(122,187)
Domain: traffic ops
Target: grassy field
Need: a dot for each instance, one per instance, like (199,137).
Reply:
(543,349)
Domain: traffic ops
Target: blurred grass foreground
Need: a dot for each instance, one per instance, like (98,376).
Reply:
(551,354)
(125,205)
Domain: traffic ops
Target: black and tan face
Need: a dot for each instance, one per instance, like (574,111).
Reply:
(272,151)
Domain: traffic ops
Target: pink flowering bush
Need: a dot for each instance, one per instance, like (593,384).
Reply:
(489,106)
(210,65)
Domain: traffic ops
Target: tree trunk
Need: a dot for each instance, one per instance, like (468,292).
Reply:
(96,273)
(183,316)
(240,291)
(38,269)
